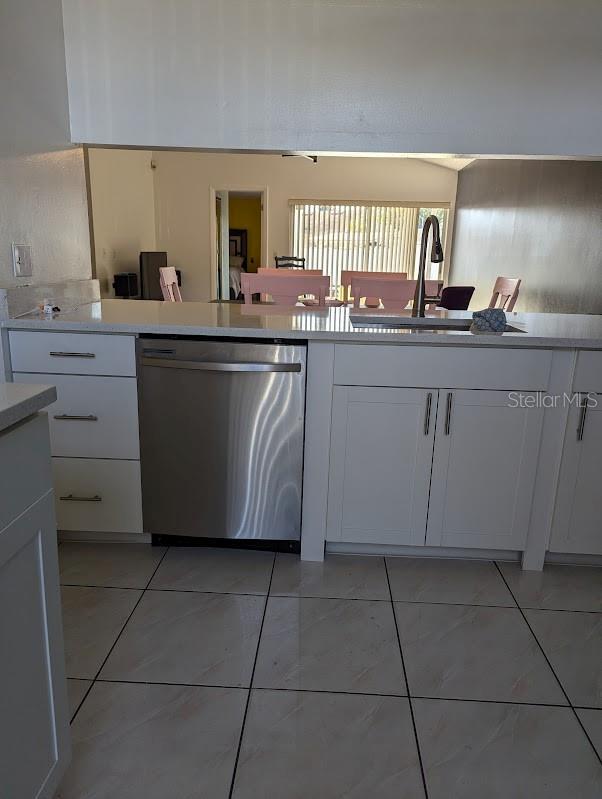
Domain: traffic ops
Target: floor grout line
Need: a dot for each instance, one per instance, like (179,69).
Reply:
(338,693)
(543,652)
(338,598)
(111,587)
(405,676)
(244,718)
(143,591)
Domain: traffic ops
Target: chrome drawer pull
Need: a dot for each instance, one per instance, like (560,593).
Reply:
(427,413)
(73,498)
(448,410)
(67,417)
(581,426)
(72,354)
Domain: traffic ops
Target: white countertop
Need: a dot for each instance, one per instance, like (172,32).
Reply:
(19,400)
(328,324)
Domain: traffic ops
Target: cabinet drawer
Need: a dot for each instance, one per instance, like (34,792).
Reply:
(97,495)
(588,373)
(93,417)
(25,473)
(448,367)
(72,353)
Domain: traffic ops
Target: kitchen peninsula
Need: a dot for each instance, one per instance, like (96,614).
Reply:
(416,441)
(34,726)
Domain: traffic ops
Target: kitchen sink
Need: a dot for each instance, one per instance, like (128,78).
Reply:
(417,323)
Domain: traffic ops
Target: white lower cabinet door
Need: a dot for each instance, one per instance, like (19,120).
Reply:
(34,722)
(97,495)
(380,467)
(577,524)
(484,466)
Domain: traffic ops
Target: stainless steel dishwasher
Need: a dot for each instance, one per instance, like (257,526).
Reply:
(221,433)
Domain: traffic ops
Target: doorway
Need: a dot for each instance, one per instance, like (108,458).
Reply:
(239,240)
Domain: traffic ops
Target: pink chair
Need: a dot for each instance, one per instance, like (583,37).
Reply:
(392,293)
(505,293)
(168,280)
(271,270)
(433,289)
(347,276)
(285,289)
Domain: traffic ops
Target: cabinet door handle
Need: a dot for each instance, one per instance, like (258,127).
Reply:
(68,417)
(72,354)
(74,498)
(448,408)
(427,413)
(581,426)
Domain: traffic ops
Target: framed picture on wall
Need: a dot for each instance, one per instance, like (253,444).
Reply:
(238,242)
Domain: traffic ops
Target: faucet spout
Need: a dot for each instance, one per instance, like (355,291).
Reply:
(431,222)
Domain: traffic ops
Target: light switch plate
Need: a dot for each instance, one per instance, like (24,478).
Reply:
(22,260)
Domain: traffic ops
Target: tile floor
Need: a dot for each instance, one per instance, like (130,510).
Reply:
(202,673)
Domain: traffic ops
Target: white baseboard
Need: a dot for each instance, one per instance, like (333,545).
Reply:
(569,559)
(367,549)
(422,552)
(573,559)
(104,538)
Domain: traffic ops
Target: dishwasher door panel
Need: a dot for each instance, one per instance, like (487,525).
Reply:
(221,443)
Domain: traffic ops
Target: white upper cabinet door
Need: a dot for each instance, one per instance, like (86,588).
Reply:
(484,467)
(577,524)
(381,456)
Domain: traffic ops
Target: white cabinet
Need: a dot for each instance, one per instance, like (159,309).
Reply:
(381,452)
(72,353)
(446,468)
(577,526)
(34,723)
(25,471)
(93,426)
(451,367)
(484,466)
(93,417)
(98,496)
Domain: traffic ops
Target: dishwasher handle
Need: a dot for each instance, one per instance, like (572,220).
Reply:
(226,366)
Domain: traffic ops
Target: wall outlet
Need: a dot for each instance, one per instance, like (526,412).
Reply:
(22,260)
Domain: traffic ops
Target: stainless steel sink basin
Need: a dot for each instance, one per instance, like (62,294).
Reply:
(416,323)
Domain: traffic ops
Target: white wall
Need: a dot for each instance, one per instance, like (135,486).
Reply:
(43,203)
(33,85)
(42,184)
(182,197)
(397,76)
(123,211)
(537,220)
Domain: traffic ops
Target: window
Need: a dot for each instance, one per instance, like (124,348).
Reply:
(367,237)
(433,271)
